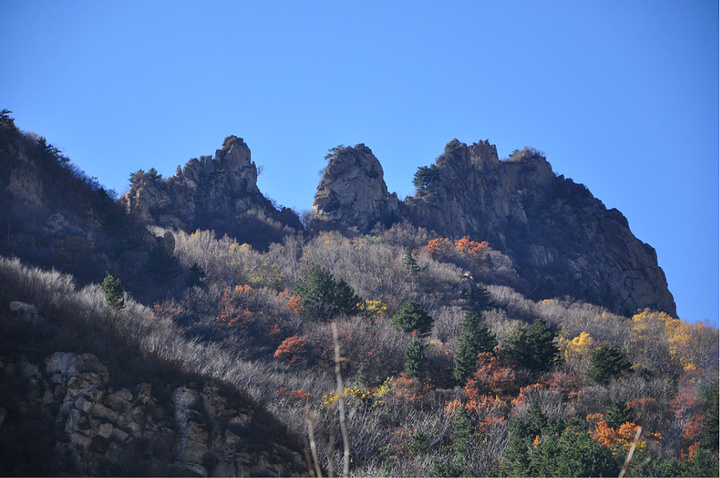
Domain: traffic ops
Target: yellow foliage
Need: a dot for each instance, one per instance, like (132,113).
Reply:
(578,347)
(374,308)
(656,326)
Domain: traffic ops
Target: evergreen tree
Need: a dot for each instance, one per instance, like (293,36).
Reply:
(323,298)
(710,435)
(409,261)
(114,292)
(463,432)
(196,277)
(415,359)
(346,302)
(412,316)
(317,290)
(533,347)
(161,265)
(617,414)
(473,339)
(607,363)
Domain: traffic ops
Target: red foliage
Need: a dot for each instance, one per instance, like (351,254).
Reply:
(167,309)
(491,378)
(291,349)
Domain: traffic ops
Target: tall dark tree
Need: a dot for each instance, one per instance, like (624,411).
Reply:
(317,290)
(415,359)
(410,262)
(196,277)
(412,316)
(473,339)
(607,363)
(346,301)
(114,292)
(161,265)
(533,347)
(323,297)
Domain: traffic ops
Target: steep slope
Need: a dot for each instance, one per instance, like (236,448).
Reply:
(54,215)
(564,241)
(219,194)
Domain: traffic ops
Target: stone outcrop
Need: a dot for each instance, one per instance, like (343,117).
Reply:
(201,430)
(207,193)
(352,192)
(563,240)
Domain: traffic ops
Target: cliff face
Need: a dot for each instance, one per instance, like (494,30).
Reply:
(564,241)
(207,193)
(352,192)
(65,409)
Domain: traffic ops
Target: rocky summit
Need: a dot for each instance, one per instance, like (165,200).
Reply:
(217,193)
(564,241)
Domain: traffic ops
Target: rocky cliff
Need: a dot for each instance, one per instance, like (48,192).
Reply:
(217,193)
(64,414)
(564,240)
(352,192)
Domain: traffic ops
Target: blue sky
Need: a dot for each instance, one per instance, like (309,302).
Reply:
(621,96)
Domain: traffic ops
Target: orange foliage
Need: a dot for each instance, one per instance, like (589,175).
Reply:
(299,395)
(294,303)
(471,248)
(491,378)
(436,246)
(409,390)
(167,309)
(291,349)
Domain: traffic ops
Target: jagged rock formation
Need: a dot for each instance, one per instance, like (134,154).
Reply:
(563,240)
(207,193)
(352,192)
(200,428)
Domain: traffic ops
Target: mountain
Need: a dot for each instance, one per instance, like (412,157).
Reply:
(563,240)
(486,326)
(217,193)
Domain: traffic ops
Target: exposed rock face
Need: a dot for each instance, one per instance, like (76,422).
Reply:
(207,193)
(352,192)
(99,429)
(563,240)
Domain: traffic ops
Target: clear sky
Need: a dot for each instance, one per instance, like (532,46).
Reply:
(621,96)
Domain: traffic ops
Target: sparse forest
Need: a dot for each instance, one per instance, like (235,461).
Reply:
(444,372)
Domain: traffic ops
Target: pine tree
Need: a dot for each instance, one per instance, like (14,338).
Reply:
(410,262)
(607,363)
(412,316)
(317,290)
(533,347)
(196,277)
(473,339)
(114,292)
(161,265)
(617,414)
(346,302)
(415,359)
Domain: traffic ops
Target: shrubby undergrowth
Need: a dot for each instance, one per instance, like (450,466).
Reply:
(409,411)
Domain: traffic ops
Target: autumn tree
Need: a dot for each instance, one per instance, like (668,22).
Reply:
(607,363)
(473,339)
(412,316)
(533,347)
